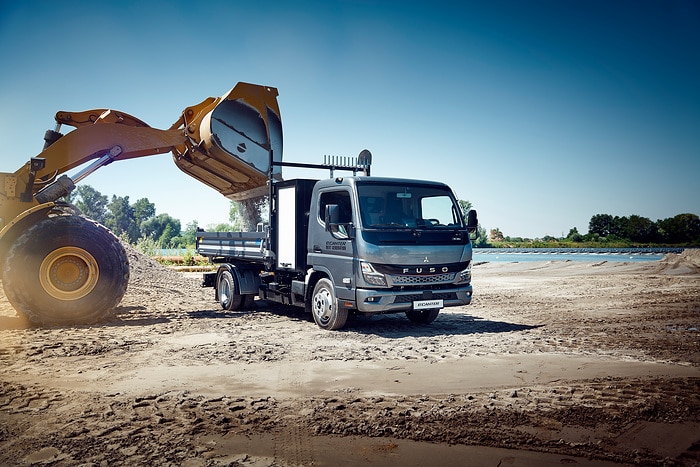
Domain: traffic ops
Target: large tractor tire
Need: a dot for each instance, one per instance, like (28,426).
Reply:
(65,270)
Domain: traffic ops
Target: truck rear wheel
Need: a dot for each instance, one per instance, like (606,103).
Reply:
(324,307)
(226,288)
(65,270)
(422,316)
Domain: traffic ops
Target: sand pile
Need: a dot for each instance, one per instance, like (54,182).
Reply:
(687,262)
(145,271)
(156,288)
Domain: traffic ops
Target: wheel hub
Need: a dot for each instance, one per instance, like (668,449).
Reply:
(322,305)
(68,273)
(224,291)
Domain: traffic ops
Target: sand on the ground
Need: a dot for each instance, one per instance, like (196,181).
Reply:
(553,362)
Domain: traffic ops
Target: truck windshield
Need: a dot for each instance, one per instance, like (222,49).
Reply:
(391,206)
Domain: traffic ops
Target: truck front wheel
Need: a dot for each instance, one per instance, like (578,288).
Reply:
(422,316)
(65,270)
(324,307)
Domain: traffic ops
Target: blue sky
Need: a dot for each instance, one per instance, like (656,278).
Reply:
(541,113)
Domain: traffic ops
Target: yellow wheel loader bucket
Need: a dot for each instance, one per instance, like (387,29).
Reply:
(233,138)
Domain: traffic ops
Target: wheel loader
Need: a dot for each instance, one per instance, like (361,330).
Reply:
(59,267)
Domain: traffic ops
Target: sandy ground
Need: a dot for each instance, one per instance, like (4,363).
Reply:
(553,363)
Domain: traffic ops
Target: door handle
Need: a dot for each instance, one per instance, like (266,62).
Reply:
(317,249)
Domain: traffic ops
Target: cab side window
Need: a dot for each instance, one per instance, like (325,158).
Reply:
(342,199)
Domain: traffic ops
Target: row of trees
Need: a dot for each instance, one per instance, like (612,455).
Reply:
(136,221)
(682,229)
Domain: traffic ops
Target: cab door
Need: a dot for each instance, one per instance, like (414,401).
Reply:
(332,245)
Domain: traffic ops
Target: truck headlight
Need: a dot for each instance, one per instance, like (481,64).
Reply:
(464,276)
(371,276)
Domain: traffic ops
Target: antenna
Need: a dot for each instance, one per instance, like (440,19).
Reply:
(361,163)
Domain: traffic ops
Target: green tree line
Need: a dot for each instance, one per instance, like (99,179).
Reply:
(606,229)
(139,224)
(132,221)
(680,229)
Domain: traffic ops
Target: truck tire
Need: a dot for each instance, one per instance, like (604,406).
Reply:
(226,289)
(65,270)
(422,316)
(324,307)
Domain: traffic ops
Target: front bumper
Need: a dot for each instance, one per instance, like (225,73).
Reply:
(374,301)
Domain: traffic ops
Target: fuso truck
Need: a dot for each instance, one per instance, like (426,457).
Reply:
(348,244)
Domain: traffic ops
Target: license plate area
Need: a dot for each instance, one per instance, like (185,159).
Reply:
(428,304)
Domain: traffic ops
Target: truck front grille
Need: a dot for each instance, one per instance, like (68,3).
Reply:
(426,279)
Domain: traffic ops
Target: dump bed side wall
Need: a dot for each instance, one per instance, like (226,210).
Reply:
(242,246)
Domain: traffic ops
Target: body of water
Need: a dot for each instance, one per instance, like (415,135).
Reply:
(573,254)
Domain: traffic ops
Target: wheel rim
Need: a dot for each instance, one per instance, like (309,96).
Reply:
(69,273)
(323,306)
(224,292)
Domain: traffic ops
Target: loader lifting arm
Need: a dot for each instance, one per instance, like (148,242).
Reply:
(58,267)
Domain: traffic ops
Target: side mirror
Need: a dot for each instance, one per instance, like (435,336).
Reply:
(331,216)
(333,224)
(472,221)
